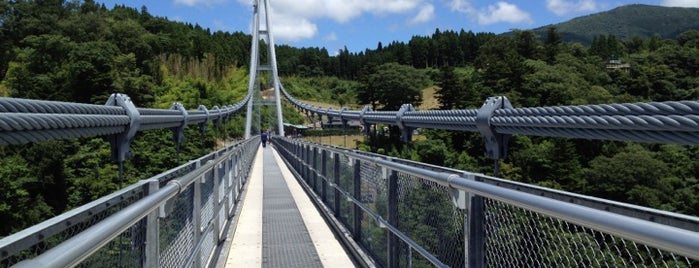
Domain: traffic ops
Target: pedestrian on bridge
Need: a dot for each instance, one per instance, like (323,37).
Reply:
(264,139)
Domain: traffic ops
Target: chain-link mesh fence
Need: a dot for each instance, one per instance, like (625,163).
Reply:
(330,175)
(177,230)
(207,198)
(346,213)
(516,237)
(176,220)
(427,213)
(71,229)
(207,247)
(126,250)
(373,239)
(373,195)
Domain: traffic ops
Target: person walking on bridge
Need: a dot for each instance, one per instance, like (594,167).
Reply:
(264,139)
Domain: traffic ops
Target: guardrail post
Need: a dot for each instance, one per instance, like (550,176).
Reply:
(314,163)
(324,173)
(336,179)
(235,181)
(196,216)
(295,150)
(392,212)
(308,165)
(358,196)
(302,161)
(230,193)
(474,226)
(217,202)
(304,158)
(152,251)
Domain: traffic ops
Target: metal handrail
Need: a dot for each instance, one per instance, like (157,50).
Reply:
(672,239)
(81,246)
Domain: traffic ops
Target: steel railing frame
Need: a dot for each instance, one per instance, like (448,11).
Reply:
(229,166)
(672,239)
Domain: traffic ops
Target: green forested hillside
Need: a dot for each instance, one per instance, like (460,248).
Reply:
(81,52)
(629,21)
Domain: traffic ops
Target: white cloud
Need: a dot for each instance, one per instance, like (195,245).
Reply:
(330,37)
(192,3)
(503,12)
(292,28)
(426,14)
(563,7)
(341,11)
(680,3)
(499,12)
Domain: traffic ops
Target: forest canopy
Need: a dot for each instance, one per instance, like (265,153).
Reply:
(81,51)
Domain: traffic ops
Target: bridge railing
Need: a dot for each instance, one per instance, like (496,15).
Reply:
(406,213)
(177,218)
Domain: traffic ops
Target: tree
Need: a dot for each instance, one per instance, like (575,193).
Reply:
(614,177)
(502,68)
(392,85)
(526,43)
(552,44)
(449,92)
(419,49)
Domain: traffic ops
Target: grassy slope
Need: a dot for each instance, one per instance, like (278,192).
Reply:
(429,101)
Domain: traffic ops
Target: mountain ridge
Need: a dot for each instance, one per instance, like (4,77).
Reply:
(624,22)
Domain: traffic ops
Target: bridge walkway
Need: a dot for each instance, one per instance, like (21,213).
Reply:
(278,224)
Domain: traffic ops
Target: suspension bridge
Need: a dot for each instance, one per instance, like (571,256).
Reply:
(304,204)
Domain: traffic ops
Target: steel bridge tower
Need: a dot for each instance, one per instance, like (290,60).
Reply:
(261,11)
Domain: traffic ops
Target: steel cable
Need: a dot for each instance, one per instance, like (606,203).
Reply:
(664,122)
(55,134)
(24,121)
(11,105)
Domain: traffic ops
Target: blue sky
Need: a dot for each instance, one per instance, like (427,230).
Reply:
(361,24)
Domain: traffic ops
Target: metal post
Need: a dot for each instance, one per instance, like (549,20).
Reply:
(237,176)
(475,233)
(217,202)
(336,179)
(308,165)
(392,246)
(152,252)
(324,172)
(230,193)
(314,162)
(357,195)
(304,159)
(295,150)
(196,217)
